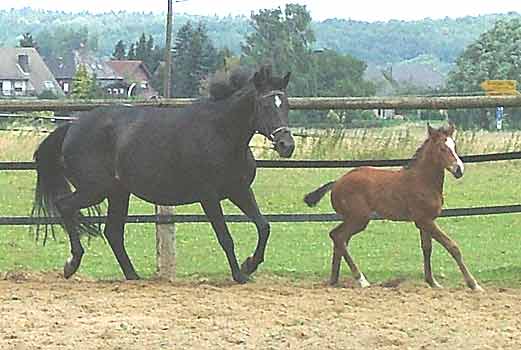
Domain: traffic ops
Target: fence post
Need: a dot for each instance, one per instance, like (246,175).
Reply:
(165,244)
(165,231)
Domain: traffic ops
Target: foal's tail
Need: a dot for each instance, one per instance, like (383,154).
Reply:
(314,197)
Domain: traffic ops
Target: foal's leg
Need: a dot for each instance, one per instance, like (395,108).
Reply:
(114,231)
(341,235)
(213,210)
(69,207)
(245,200)
(426,244)
(454,251)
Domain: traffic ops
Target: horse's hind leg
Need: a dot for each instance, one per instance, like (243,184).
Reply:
(69,207)
(454,251)
(341,235)
(114,231)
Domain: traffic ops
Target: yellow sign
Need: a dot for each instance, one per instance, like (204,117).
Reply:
(500,87)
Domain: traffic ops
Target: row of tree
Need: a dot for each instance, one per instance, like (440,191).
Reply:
(285,38)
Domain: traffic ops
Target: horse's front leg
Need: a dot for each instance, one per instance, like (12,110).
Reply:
(245,200)
(213,210)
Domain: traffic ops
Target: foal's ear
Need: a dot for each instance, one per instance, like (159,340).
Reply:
(451,128)
(430,129)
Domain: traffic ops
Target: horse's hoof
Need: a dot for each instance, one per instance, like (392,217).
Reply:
(248,266)
(133,277)
(240,278)
(70,267)
(332,282)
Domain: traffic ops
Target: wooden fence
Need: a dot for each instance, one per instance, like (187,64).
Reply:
(448,102)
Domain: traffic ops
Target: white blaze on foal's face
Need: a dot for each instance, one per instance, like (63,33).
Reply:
(278,101)
(452,146)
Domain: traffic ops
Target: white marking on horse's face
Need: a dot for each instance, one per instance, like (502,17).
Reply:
(278,101)
(452,146)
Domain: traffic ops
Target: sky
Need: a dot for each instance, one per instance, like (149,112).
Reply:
(364,10)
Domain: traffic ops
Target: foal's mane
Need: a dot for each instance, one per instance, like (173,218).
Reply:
(416,155)
(224,84)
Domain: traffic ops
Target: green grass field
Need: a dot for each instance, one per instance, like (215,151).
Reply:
(301,251)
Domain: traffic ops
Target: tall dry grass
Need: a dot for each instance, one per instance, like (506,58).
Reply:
(377,143)
(384,143)
(18,145)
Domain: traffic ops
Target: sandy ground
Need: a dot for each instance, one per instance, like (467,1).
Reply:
(46,312)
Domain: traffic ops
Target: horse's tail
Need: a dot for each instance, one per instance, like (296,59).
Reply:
(314,197)
(51,183)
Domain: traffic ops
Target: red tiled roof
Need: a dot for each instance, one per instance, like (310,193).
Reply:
(131,70)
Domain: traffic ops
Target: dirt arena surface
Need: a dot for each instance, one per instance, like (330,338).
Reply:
(40,311)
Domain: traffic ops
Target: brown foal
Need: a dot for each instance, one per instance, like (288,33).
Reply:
(413,193)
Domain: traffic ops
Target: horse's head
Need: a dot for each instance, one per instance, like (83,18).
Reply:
(271,110)
(444,149)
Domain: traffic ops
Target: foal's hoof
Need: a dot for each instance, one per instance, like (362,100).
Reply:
(477,288)
(362,282)
(248,266)
(70,267)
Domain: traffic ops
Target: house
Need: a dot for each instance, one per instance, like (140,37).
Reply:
(64,70)
(137,75)
(23,73)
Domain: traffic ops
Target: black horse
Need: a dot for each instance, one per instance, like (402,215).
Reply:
(168,157)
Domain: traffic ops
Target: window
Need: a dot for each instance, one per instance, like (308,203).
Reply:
(66,87)
(19,86)
(7,87)
(48,85)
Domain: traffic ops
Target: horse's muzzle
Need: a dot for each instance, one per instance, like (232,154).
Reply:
(284,143)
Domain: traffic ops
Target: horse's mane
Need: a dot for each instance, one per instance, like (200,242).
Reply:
(224,84)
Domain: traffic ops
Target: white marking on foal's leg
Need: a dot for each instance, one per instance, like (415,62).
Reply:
(362,282)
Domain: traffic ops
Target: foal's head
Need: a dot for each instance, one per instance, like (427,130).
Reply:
(271,110)
(443,149)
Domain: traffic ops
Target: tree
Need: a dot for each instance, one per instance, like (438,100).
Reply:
(131,55)
(495,55)
(283,39)
(194,58)
(84,86)
(28,41)
(119,51)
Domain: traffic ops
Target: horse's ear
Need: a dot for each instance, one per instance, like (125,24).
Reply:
(285,80)
(259,80)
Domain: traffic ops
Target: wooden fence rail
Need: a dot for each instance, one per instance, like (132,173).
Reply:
(303,103)
(307,103)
